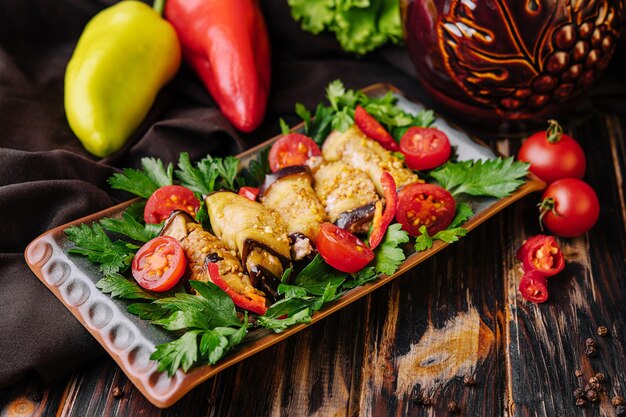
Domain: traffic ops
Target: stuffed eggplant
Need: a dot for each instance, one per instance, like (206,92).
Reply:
(255,233)
(201,247)
(348,195)
(289,192)
(361,152)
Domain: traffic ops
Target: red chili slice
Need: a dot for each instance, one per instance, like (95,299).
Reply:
(382,220)
(534,287)
(542,254)
(240,300)
(249,192)
(374,130)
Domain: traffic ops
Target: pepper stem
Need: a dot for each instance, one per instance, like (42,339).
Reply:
(554,132)
(158,6)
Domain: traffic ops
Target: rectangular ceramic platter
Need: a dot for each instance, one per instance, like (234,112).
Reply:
(130,341)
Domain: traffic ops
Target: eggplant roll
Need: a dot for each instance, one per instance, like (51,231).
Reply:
(289,192)
(199,245)
(256,233)
(348,195)
(361,152)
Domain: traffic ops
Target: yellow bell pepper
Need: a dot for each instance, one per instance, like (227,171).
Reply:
(125,55)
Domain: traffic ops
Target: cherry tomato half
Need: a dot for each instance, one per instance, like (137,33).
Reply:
(249,192)
(534,287)
(425,147)
(292,149)
(374,130)
(569,207)
(553,155)
(159,264)
(167,199)
(541,253)
(341,249)
(425,205)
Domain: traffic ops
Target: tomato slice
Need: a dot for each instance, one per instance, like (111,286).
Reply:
(425,147)
(292,149)
(382,220)
(159,264)
(167,199)
(534,287)
(374,130)
(542,254)
(341,249)
(240,300)
(425,205)
(249,192)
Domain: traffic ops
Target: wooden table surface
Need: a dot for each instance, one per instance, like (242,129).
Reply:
(457,314)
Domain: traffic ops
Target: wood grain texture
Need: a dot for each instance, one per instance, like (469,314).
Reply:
(458,313)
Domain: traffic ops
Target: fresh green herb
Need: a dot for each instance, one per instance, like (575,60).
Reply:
(317,275)
(129,226)
(362,277)
(145,181)
(389,255)
(284,127)
(179,353)
(359,25)
(463,213)
(120,287)
(340,114)
(255,173)
(147,311)
(497,177)
(202,216)
(280,325)
(208,175)
(424,241)
(94,243)
(227,168)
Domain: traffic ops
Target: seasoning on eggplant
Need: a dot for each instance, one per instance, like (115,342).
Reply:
(361,152)
(256,233)
(348,195)
(199,245)
(289,192)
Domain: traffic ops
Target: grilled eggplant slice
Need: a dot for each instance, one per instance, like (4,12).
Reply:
(347,194)
(200,246)
(361,152)
(255,233)
(289,192)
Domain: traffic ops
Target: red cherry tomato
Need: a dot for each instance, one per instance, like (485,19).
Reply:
(374,130)
(542,254)
(167,199)
(553,155)
(569,207)
(425,205)
(534,287)
(159,264)
(292,149)
(249,192)
(341,249)
(425,147)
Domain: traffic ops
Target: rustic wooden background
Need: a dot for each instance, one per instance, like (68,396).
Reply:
(456,314)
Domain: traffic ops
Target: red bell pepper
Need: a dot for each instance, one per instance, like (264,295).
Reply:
(227,45)
(382,220)
(249,192)
(240,300)
(374,130)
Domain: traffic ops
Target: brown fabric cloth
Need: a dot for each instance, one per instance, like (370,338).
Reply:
(48,179)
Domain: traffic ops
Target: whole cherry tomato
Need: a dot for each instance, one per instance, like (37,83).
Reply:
(341,249)
(292,149)
(425,205)
(167,199)
(425,147)
(569,207)
(553,155)
(159,264)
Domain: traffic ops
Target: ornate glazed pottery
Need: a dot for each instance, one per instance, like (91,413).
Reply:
(510,59)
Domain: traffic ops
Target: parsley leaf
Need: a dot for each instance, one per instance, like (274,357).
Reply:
(93,243)
(284,127)
(255,173)
(362,277)
(200,179)
(450,235)
(179,353)
(280,325)
(120,287)
(147,311)
(145,181)
(463,213)
(497,177)
(227,169)
(130,227)
(317,275)
(389,255)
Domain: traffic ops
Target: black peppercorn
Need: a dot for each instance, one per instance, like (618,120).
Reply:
(590,351)
(600,377)
(590,342)
(118,392)
(617,401)
(578,393)
(603,331)
(580,402)
(592,395)
(453,408)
